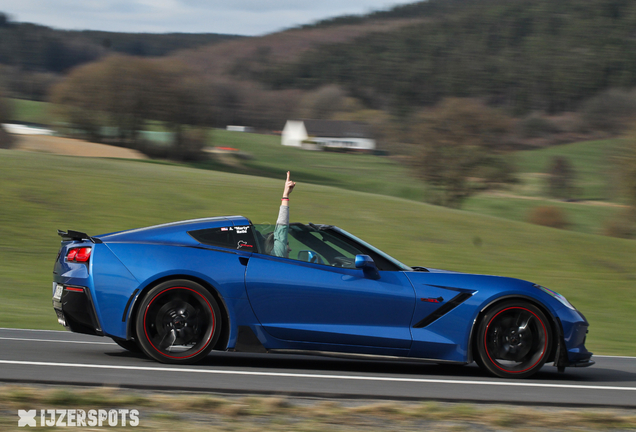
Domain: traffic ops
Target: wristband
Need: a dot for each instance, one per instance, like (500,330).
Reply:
(285,198)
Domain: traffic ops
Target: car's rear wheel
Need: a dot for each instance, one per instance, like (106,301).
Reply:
(178,321)
(513,340)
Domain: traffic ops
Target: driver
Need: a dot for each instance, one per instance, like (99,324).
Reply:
(276,242)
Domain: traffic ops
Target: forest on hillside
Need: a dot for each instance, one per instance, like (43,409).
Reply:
(34,47)
(521,54)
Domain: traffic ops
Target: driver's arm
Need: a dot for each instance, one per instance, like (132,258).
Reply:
(282,223)
(280,232)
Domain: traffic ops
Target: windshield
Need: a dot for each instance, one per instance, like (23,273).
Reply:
(388,257)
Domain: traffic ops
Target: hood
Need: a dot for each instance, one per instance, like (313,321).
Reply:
(469,282)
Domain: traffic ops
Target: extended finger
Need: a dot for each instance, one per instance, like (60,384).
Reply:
(288,175)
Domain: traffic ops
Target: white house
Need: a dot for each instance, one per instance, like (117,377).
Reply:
(235,128)
(328,133)
(19,129)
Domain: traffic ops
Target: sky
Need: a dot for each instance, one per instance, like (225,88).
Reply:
(242,17)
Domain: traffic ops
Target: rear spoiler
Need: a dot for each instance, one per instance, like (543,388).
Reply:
(76,235)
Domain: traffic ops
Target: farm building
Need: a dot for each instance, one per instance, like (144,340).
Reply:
(327,133)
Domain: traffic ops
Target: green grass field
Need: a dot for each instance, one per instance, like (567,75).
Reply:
(381,175)
(584,217)
(598,200)
(40,193)
(31,111)
(591,161)
(358,172)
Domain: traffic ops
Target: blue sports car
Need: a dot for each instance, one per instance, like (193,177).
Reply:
(179,290)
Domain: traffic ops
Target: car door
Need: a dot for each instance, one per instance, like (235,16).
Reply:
(324,302)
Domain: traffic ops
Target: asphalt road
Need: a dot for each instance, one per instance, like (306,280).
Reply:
(60,357)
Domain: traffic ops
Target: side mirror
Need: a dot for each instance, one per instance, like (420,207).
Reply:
(365,262)
(309,256)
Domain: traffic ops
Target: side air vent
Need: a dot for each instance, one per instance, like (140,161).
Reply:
(444,309)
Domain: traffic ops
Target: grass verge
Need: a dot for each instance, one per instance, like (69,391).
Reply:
(193,412)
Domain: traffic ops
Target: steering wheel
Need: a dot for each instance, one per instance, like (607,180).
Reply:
(343,262)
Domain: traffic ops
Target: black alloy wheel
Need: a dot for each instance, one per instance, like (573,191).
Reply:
(178,321)
(513,340)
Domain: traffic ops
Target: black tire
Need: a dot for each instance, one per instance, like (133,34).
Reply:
(514,339)
(178,322)
(129,345)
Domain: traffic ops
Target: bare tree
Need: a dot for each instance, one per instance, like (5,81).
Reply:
(561,178)
(623,224)
(124,92)
(178,100)
(77,100)
(6,140)
(462,150)
(626,164)
(5,108)
(322,103)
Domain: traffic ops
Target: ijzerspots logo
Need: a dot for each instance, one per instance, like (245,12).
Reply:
(78,418)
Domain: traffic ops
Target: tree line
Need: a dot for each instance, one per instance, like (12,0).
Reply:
(118,97)
(34,47)
(33,57)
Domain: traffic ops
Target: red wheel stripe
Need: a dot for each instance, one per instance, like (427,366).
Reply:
(545,345)
(211,332)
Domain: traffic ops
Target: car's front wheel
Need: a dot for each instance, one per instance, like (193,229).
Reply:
(178,322)
(514,339)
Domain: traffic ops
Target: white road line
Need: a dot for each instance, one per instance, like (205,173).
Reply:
(61,341)
(607,356)
(39,330)
(318,376)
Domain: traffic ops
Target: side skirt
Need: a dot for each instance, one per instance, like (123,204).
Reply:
(249,343)
(356,356)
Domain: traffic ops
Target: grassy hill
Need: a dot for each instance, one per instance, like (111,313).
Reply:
(594,177)
(386,176)
(41,193)
(590,160)
(358,172)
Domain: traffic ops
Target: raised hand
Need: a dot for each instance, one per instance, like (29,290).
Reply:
(289,186)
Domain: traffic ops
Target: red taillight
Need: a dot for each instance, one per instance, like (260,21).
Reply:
(79,254)
(70,256)
(83,255)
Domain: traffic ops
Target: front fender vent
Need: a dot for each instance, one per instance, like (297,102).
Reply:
(444,309)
